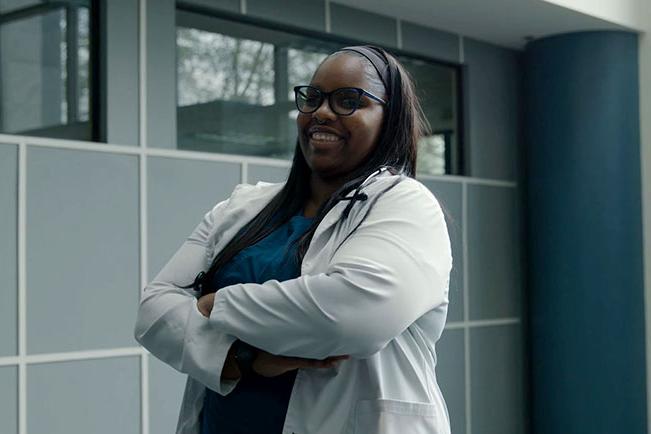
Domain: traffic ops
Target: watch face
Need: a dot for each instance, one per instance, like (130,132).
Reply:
(244,355)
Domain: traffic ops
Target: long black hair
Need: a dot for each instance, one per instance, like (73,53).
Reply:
(402,126)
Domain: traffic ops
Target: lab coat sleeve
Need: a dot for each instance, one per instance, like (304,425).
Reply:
(394,268)
(169,323)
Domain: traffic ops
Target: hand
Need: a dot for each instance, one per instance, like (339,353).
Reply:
(205,304)
(269,365)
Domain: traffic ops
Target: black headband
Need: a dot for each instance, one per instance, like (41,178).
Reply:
(378,61)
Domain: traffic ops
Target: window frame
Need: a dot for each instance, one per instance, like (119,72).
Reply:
(454,158)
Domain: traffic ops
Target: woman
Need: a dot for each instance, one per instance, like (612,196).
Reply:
(320,298)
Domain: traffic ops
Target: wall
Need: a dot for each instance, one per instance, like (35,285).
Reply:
(118,211)
(645,157)
(629,13)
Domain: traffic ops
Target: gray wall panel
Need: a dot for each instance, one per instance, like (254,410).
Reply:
(497,385)
(82,250)
(450,373)
(100,396)
(161,74)
(121,68)
(9,400)
(266,173)
(166,387)
(449,196)
(493,123)
(362,25)
(8,250)
(494,253)
(300,13)
(180,193)
(430,42)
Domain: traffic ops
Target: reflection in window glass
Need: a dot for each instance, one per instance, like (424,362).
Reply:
(44,69)
(436,90)
(235,90)
(302,64)
(12,5)
(218,67)
(83,67)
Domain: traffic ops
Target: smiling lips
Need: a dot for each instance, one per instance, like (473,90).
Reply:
(320,137)
(325,137)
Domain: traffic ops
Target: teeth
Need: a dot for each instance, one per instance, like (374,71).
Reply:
(327,137)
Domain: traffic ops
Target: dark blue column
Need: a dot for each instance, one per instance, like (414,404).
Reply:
(584,228)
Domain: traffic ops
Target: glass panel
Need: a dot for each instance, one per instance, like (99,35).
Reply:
(11,5)
(436,89)
(235,90)
(44,69)
(302,64)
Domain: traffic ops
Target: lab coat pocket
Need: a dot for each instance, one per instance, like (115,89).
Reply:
(389,416)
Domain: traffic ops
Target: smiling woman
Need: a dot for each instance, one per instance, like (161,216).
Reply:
(313,310)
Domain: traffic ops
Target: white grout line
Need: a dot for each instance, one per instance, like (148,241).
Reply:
(142,181)
(244,172)
(22,288)
(462,54)
(210,156)
(469,180)
(399,33)
(243,7)
(144,392)
(457,325)
(70,356)
(144,371)
(142,76)
(466,303)
(492,322)
(72,144)
(328,27)
(9,361)
(142,178)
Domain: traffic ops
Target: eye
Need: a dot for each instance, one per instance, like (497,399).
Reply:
(348,100)
(309,97)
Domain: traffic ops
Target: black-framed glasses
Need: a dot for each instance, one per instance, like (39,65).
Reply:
(343,101)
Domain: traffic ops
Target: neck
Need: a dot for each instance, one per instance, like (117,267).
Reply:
(320,191)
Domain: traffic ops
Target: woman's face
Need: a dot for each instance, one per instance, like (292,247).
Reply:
(356,135)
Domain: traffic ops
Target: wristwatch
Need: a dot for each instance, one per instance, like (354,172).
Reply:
(244,355)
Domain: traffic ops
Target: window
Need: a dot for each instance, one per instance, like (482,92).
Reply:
(436,86)
(45,68)
(234,90)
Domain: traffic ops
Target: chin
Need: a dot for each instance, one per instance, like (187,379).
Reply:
(326,170)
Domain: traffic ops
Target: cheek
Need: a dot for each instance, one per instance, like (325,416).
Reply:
(367,132)
(302,120)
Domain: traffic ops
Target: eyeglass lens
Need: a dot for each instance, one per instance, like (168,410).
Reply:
(342,101)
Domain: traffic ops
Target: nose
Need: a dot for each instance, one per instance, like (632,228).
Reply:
(324,112)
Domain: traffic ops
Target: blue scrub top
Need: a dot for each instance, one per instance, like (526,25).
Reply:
(257,404)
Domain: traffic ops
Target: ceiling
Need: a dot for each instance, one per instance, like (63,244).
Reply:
(502,22)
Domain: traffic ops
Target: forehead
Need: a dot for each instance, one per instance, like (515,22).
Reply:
(341,70)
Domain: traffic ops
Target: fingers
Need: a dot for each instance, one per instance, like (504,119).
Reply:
(345,356)
(328,362)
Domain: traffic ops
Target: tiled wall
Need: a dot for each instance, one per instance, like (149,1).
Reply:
(102,219)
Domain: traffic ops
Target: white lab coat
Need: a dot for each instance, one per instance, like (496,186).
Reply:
(382,297)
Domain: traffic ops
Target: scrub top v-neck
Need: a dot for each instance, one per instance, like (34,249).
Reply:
(257,404)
